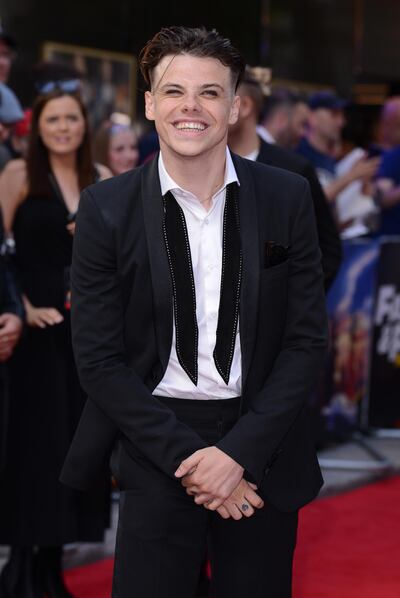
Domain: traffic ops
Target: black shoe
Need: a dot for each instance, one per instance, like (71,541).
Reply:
(18,578)
(50,574)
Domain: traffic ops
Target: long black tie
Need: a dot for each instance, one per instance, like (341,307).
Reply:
(184,292)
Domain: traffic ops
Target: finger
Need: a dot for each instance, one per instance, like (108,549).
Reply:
(187,465)
(234,512)
(188,481)
(223,512)
(252,485)
(201,499)
(192,489)
(46,319)
(253,499)
(211,505)
(55,314)
(37,322)
(190,492)
(245,508)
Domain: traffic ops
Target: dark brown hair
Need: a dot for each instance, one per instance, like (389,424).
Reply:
(193,41)
(37,160)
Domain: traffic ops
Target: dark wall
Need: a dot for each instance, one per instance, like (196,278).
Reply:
(119,25)
(331,42)
(312,40)
(336,42)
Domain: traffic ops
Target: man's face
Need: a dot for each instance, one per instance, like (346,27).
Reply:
(192,102)
(391,128)
(328,123)
(6,56)
(298,123)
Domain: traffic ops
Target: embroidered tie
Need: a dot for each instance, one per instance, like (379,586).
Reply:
(184,292)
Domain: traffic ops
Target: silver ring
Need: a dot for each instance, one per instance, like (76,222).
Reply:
(245,507)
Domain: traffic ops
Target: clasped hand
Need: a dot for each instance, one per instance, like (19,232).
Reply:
(216,482)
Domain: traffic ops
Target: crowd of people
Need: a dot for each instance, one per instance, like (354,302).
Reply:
(47,157)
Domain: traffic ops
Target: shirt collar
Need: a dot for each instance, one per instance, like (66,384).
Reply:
(168,184)
(265,134)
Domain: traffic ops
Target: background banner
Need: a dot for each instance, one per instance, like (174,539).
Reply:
(350,309)
(383,406)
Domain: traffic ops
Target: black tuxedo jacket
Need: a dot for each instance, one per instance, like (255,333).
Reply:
(122,323)
(328,236)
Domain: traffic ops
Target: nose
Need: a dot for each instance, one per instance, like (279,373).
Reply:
(191,103)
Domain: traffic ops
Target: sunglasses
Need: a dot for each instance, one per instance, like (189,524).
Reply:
(67,85)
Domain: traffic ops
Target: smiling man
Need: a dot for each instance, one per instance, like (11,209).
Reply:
(199,329)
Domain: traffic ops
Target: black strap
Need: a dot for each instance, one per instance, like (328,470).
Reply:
(180,262)
(231,277)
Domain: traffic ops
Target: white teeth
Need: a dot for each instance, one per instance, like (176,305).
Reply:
(190,125)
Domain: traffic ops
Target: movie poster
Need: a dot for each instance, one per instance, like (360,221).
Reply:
(350,308)
(384,392)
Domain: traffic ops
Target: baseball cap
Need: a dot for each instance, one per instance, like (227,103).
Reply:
(7,39)
(326,99)
(10,108)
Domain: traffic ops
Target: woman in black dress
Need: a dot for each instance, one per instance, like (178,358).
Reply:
(39,199)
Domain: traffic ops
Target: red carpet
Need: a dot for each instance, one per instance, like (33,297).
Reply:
(348,547)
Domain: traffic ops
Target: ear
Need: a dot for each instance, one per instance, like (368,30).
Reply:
(234,112)
(149,105)
(246,106)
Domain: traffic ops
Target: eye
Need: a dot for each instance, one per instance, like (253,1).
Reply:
(173,92)
(212,93)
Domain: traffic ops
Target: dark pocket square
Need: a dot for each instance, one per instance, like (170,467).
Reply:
(274,254)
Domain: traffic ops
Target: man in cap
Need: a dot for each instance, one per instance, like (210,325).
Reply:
(322,141)
(10,114)
(246,140)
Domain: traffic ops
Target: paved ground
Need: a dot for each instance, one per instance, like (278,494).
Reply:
(353,465)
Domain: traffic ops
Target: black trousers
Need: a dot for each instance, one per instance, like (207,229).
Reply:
(163,535)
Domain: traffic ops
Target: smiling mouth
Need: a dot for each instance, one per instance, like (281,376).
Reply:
(190,126)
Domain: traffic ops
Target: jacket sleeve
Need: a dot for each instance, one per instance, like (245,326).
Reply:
(97,319)
(258,434)
(328,235)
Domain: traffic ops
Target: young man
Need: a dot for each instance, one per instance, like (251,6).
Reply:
(199,328)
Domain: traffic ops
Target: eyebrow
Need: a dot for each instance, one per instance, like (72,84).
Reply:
(204,86)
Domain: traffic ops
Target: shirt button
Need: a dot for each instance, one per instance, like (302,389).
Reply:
(214,315)
(206,221)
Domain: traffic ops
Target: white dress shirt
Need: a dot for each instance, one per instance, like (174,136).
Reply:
(265,134)
(205,230)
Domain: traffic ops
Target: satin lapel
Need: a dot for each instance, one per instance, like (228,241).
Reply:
(251,264)
(153,211)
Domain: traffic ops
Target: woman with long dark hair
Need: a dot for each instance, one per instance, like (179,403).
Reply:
(39,199)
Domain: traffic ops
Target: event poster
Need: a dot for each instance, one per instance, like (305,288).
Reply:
(350,308)
(384,394)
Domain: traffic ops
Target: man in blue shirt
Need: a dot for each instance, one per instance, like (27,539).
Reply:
(389,193)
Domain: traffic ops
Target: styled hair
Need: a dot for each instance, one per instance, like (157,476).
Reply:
(196,41)
(37,160)
(280,99)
